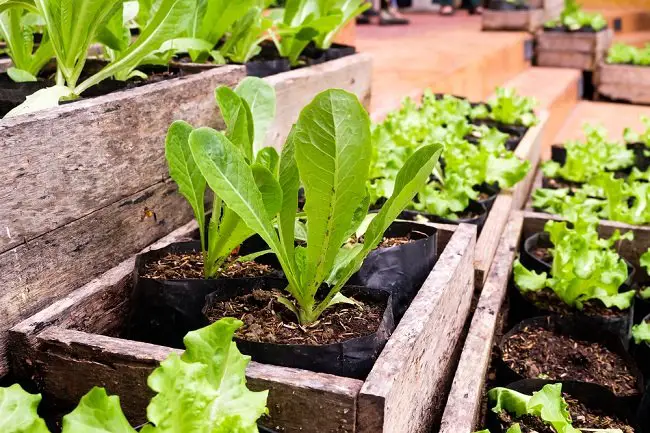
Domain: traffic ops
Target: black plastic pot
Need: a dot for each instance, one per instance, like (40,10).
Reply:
(492,191)
(401,269)
(580,329)
(474,207)
(592,396)
(641,160)
(13,94)
(643,414)
(517,131)
(522,307)
(505,5)
(542,239)
(641,353)
(351,358)
(163,311)
(265,68)
(263,429)
(336,51)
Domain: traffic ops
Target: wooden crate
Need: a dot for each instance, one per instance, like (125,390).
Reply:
(89,185)
(529,148)
(522,20)
(623,82)
(68,348)
(464,407)
(578,50)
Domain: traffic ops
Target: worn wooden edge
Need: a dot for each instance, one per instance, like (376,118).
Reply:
(530,148)
(560,59)
(623,82)
(296,88)
(581,42)
(407,384)
(524,20)
(5,64)
(464,402)
(488,241)
(101,103)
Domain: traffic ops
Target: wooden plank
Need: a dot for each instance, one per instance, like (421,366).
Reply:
(581,42)
(488,241)
(406,388)
(297,88)
(524,20)
(64,163)
(464,402)
(623,82)
(40,271)
(5,64)
(562,59)
(530,148)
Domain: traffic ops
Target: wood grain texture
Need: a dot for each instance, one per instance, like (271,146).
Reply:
(530,148)
(64,163)
(524,20)
(623,82)
(37,273)
(581,42)
(60,348)
(463,405)
(562,59)
(488,241)
(406,388)
(297,88)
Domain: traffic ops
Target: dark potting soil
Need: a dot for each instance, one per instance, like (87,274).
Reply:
(547,300)
(537,351)
(267,320)
(543,254)
(393,242)
(582,417)
(175,266)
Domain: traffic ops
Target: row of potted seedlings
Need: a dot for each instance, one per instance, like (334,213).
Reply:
(168,40)
(561,360)
(289,247)
(478,160)
(605,178)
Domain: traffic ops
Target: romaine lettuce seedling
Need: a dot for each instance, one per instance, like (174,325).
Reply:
(585,267)
(248,112)
(202,390)
(508,107)
(328,151)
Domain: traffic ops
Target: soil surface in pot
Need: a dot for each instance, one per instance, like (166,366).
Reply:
(582,417)
(267,320)
(175,266)
(535,352)
(547,300)
(394,242)
(543,254)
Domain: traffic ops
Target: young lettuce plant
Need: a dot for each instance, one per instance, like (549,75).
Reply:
(630,136)
(248,112)
(72,26)
(246,35)
(329,151)
(509,108)
(584,267)
(641,333)
(202,390)
(17,27)
(574,18)
(345,11)
(644,261)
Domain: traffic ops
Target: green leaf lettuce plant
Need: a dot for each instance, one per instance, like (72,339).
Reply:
(585,267)
(574,18)
(72,26)
(202,390)
(328,151)
(509,108)
(248,112)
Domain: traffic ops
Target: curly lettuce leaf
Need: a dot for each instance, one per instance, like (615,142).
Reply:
(528,280)
(641,333)
(18,411)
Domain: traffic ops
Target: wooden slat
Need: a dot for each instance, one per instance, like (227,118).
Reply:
(624,82)
(464,402)
(525,20)
(406,387)
(65,163)
(297,88)
(488,241)
(559,59)
(530,148)
(581,42)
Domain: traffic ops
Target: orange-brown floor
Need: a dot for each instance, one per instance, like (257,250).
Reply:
(446,54)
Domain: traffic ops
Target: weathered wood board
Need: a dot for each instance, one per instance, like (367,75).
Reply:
(530,149)
(521,20)
(406,387)
(70,347)
(623,82)
(5,64)
(464,402)
(297,88)
(579,50)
